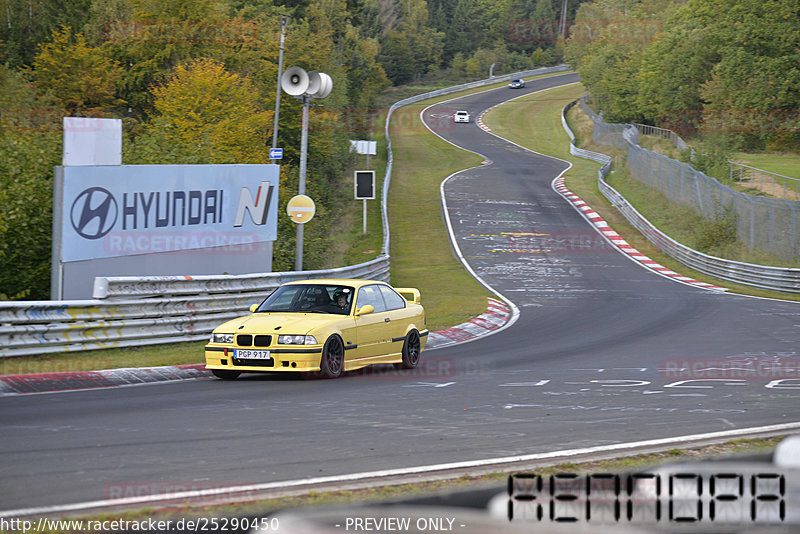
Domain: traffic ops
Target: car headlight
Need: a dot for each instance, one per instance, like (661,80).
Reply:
(289,339)
(221,338)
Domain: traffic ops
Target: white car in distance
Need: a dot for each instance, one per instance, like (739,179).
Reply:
(461,116)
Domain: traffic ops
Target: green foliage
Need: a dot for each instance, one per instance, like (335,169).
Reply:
(30,136)
(80,77)
(195,82)
(24,24)
(204,114)
(409,46)
(711,157)
(718,232)
(703,66)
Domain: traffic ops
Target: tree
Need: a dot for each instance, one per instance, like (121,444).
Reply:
(150,37)
(30,146)
(205,114)
(24,24)
(79,76)
(394,56)
(412,47)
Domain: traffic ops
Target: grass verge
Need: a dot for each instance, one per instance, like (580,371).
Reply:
(787,164)
(534,122)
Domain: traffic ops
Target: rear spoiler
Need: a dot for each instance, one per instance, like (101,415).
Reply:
(411,294)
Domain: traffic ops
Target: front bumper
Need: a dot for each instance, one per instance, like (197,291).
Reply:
(282,359)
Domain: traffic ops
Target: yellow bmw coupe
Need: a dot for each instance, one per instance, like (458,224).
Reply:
(330,326)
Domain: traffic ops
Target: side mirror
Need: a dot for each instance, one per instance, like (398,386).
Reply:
(369,308)
(253,308)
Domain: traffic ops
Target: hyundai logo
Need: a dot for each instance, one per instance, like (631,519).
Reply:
(94,213)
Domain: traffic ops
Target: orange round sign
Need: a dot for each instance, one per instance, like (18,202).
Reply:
(301,209)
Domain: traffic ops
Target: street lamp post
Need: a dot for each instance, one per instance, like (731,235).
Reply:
(284,21)
(301,188)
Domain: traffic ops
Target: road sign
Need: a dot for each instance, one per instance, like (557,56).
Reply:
(369,148)
(275,153)
(364,184)
(301,209)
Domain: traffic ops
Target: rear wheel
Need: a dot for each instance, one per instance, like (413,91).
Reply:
(411,351)
(226,375)
(331,363)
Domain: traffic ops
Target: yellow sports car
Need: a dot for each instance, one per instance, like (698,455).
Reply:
(331,326)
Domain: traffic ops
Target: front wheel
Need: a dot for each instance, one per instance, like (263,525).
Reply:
(226,375)
(411,351)
(331,363)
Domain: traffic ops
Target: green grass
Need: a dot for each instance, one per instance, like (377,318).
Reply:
(420,248)
(787,164)
(534,122)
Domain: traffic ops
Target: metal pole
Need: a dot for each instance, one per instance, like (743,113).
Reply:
(562,23)
(284,20)
(365,200)
(301,189)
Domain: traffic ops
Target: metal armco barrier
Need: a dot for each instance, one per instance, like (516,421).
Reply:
(765,277)
(133,311)
(139,311)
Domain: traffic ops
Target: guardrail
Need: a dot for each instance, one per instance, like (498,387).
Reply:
(186,309)
(146,310)
(766,181)
(765,277)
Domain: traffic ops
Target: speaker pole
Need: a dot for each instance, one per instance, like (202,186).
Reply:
(298,254)
(284,20)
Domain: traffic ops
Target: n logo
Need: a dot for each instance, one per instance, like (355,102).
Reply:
(257,209)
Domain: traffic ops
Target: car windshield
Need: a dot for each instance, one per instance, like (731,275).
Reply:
(309,298)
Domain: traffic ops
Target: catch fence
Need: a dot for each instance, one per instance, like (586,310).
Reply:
(767,224)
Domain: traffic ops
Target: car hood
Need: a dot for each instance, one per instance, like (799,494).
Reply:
(279,323)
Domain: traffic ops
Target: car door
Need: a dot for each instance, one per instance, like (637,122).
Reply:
(398,319)
(371,328)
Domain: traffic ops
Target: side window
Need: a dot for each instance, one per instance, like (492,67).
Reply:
(392,299)
(371,295)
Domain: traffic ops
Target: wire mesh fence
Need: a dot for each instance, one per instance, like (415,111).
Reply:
(767,224)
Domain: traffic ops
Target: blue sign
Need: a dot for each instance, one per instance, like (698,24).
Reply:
(275,153)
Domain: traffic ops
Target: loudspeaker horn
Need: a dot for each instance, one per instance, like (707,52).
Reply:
(325,86)
(294,81)
(314,82)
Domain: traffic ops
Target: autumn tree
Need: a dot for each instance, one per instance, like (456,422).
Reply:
(205,114)
(80,77)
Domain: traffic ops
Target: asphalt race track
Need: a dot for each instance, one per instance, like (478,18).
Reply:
(599,355)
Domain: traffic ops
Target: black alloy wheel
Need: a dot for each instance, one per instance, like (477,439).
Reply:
(411,350)
(332,362)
